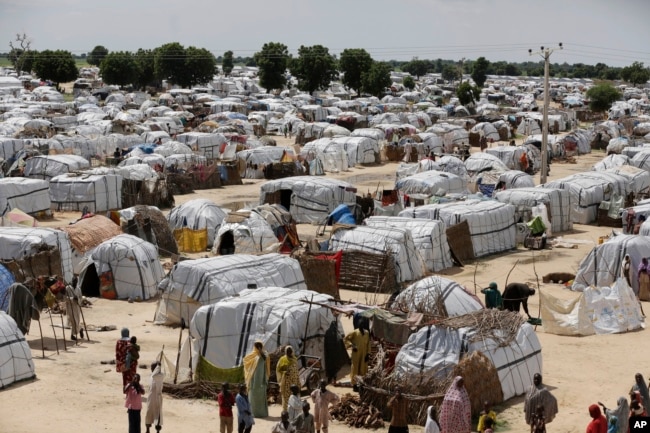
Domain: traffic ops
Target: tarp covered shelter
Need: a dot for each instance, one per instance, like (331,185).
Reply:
(479,162)
(192,283)
(332,155)
(509,155)
(639,179)
(431,183)
(195,215)
(611,161)
(29,195)
(360,150)
(309,199)
(516,179)
(429,237)
(86,233)
(46,167)
(557,202)
(15,355)
(430,294)
(122,267)
(95,192)
(252,161)
(225,331)
(398,242)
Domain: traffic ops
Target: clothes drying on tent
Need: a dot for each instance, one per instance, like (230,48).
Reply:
(6,280)
(22,306)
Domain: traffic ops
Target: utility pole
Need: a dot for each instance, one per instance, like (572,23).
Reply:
(546,54)
(462,64)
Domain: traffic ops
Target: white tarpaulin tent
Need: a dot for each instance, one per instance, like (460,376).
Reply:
(602,265)
(431,183)
(46,167)
(97,193)
(588,190)
(225,331)
(192,283)
(309,199)
(611,161)
(196,215)
(130,263)
(29,195)
(491,223)
(479,162)
(360,150)
(557,201)
(436,350)
(509,155)
(608,309)
(17,243)
(424,296)
(429,237)
(396,241)
(15,355)
(516,179)
(245,232)
(332,156)
(638,178)
(252,161)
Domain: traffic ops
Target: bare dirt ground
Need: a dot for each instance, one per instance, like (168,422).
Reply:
(73,390)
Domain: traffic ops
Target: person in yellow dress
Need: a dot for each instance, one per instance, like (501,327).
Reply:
(287,375)
(359,341)
(257,370)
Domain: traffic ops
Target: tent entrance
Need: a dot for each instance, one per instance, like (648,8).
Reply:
(227,243)
(90,282)
(285,198)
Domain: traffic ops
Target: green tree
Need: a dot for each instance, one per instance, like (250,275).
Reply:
(479,71)
(376,79)
(57,66)
(96,56)
(418,67)
(21,56)
(512,70)
(635,74)
(408,82)
(467,93)
(272,62)
(227,63)
(120,68)
(200,67)
(315,68)
(602,96)
(450,72)
(353,63)
(145,69)
(170,63)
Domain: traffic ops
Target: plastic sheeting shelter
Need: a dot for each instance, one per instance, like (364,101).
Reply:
(6,280)
(309,199)
(122,267)
(360,150)
(516,179)
(332,155)
(244,232)
(611,161)
(252,161)
(436,350)
(29,195)
(225,331)
(15,355)
(395,241)
(196,215)
(431,183)
(602,265)
(429,237)
(47,167)
(557,201)
(509,155)
(97,193)
(639,179)
(424,297)
(193,283)
(491,223)
(479,162)
(597,310)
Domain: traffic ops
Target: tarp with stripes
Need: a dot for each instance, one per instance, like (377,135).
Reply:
(15,355)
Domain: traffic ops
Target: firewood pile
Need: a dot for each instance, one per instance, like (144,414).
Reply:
(355,413)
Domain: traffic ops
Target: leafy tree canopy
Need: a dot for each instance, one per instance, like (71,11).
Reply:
(314,67)
(635,73)
(353,63)
(145,69)
(58,66)
(467,93)
(120,68)
(479,71)
(450,72)
(96,56)
(409,82)
(272,62)
(377,79)
(227,64)
(200,67)
(602,96)
(418,67)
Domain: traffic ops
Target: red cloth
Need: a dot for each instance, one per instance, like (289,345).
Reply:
(337,258)
(226,402)
(599,422)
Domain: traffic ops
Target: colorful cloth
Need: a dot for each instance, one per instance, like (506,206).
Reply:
(359,341)
(287,372)
(256,375)
(322,401)
(599,422)
(133,398)
(456,411)
(481,420)
(642,388)
(226,402)
(622,412)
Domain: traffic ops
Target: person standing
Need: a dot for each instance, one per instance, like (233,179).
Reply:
(516,295)
(456,410)
(644,280)
(641,387)
(359,341)
(73,311)
(483,143)
(284,426)
(226,401)
(322,397)
(626,269)
(287,373)
(153,416)
(538,421)
(305,421)
(432,425)
(493,298)
(295,404)
(538,395)
(133,403)
(245,418)
(398,405)
(599,423)
(257,370)
(121,350)
(621,413)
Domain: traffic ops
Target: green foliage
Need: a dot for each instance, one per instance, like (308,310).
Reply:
(409,82)
(145,69)
(602,96)
(479,71)
(169,63)
(58,66)
(200,67)
(353,63)
(272,62)
(376,79)
(120,68)
(418,67)
(315,68)
(96,56)
(450,72)
(467,93)
(227,64)
(21,60)
(635,74)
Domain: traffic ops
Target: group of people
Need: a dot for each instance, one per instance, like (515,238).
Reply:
(616,420)
(513,298)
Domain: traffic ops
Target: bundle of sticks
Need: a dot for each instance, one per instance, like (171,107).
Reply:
(499,325)
(355,413)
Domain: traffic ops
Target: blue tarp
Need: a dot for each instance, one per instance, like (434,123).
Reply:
(146,148)
(341,215)
(6,280)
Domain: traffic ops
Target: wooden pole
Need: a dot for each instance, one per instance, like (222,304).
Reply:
(65,344)
(56,341)
(178,354)
(508,276)
(42,342)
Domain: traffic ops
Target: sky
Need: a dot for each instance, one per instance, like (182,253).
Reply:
(616,33)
